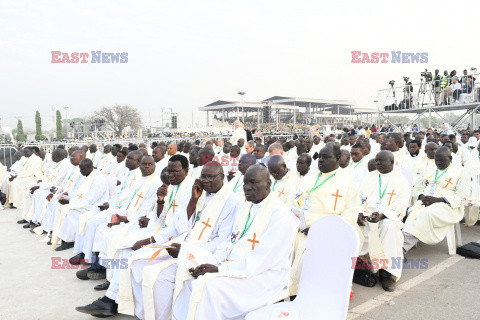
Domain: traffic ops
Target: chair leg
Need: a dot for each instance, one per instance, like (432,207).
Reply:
(452,248)
(458,233)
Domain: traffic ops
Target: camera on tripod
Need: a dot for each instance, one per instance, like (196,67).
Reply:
(427,75)
(392,83)
(406,79)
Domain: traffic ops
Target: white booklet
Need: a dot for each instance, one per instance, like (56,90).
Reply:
(300,214)
(191,256)
(280,314)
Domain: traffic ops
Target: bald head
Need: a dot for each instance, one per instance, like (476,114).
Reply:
(443,158)
(344,158)
(212,176)
(172,149)
(77,157)
(86,167)
(58,155)
(256,183)
(277,167)
(143,151)
(384,161)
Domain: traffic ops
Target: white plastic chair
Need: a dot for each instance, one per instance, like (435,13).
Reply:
(453,242)
(326,280)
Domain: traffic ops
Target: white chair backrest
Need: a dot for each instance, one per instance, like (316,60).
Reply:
(332,246)
(112,184)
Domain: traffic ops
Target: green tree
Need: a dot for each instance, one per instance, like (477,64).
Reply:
(38,127)
(59,126)
(20,135)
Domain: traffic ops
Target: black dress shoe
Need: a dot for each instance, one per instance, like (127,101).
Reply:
(97,274)
(12,206)
(65,246)
(388,284)
(103,286)
(78,259)
(28,225)
(82,274)
(22,221)
(49,243)
(99,308)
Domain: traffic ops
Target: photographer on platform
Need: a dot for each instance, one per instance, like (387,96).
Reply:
(436,86)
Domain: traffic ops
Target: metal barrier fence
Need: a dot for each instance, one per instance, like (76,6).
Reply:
(7,151)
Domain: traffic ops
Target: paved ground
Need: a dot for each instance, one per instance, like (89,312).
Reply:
(31,289)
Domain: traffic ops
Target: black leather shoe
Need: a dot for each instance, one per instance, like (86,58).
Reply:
(22,221)
(103,286)
(49,243)
(78,259)
(97,274)
(82,274)
(99,308)
(65,246)
(12,206)
(388,284)
(28,225)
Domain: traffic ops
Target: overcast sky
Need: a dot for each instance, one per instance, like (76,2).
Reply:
(187,54)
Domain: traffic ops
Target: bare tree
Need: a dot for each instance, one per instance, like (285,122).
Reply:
(118,117)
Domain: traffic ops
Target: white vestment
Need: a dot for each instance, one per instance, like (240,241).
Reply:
(31,172)
(384,240)
(254,271)
(92,193)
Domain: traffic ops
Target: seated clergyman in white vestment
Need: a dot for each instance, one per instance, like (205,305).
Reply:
(236,184)
(134,194)
(30,172)
(92,193)
(284,180)
(440,191)
(201,213)
(385,195)
(36,195)
(253,264)
(73,179)
(331,191)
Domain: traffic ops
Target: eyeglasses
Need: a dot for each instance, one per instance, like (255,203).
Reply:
(174,173)
(209,178)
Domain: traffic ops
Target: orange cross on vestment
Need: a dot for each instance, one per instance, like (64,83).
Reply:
(134,178)
(69,183)
(174,206)
(336,195)
(253,241)
(391,195)
(80,196)
(138,199)
(449,181)
(206,225)
(280,192)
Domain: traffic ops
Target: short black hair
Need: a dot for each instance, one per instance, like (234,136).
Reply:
(357,145)
(183,160)
(417,142)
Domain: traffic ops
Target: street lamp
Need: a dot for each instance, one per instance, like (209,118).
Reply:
(66,116)
(242,93)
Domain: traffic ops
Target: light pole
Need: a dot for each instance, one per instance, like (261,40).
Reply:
(242,93)
(66,116)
